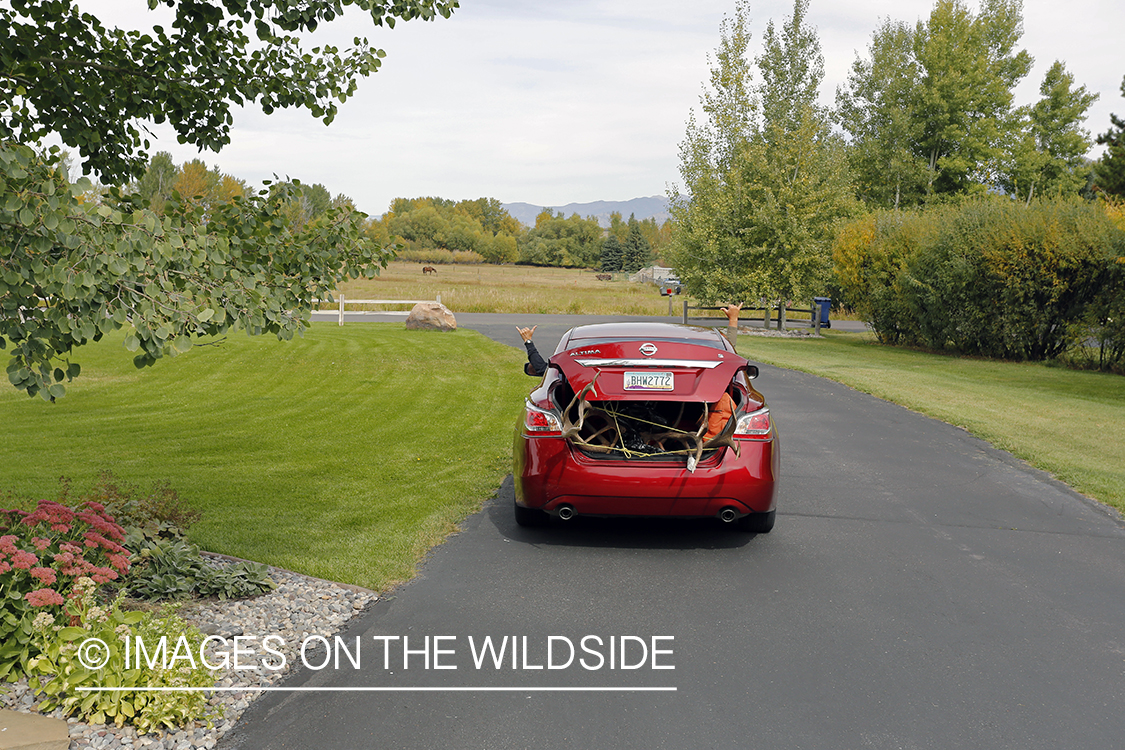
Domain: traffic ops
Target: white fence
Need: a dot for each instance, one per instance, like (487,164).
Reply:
(344,302)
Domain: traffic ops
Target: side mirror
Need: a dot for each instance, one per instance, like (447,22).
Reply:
(751,371)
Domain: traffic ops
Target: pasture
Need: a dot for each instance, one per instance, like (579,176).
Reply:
(513,289)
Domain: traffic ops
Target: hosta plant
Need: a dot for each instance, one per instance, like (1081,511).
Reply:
(63,672)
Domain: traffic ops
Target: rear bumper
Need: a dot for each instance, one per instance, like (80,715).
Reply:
(549,474)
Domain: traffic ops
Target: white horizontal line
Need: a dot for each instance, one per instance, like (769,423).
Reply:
(382,689)
(688,363)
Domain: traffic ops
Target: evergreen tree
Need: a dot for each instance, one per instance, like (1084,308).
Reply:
(638,251)
(1109,171)
(612,254)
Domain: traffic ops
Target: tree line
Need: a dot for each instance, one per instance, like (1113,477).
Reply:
(435,230)
(772,182)
(428,229)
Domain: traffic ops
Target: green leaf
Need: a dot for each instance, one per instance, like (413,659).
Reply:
(132,343)
(72,634)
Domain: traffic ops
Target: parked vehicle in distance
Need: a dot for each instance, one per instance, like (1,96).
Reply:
(670,286)
(630,420)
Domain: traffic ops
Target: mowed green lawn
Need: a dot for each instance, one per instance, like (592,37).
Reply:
(344,454)
(1070,423)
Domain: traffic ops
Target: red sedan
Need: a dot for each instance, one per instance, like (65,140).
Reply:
(647,419)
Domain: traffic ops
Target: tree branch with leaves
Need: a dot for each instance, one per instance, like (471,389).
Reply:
(73,271)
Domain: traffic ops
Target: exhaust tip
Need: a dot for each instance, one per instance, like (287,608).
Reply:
(566,512)
(728,515)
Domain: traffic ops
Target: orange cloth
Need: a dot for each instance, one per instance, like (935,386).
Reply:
(717,416)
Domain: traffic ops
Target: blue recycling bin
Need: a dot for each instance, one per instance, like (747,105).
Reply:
(825,305)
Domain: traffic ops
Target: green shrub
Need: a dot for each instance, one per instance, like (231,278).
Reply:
(58,674)
(869,255)
(1100,336)
(158,513)
(42,553)
(990,277)
(439,256)
(1009,281)
(174,569)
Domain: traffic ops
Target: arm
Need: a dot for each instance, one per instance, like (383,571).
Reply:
(536,364)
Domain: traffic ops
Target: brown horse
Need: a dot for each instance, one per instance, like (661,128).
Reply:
(428,269)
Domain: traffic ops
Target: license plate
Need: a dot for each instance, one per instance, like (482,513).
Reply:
(649,381)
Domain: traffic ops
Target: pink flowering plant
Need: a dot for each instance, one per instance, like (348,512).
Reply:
(43,553)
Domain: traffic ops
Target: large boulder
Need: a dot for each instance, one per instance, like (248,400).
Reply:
(431,316)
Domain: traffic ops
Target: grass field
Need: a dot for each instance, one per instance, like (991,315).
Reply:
(344,455)
(521,290)
(1070,423)
(513,289)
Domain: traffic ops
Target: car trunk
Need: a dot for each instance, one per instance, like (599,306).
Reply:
(642,400)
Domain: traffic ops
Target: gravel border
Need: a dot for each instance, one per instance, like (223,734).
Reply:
(796,333)
(300,606)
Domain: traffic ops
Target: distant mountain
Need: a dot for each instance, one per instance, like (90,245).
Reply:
(654,207)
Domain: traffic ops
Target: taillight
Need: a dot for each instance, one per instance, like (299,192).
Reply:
(541,422)
(755,425)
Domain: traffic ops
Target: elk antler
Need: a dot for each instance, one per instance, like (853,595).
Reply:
(726,437)
(570,429)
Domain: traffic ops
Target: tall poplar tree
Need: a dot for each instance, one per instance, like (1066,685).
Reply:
(1048,157)
(877,108)
(765,179)
(929,113)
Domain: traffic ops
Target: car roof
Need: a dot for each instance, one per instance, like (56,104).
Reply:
(581,335)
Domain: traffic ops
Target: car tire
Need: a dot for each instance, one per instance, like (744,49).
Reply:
(530,517)
(757,523)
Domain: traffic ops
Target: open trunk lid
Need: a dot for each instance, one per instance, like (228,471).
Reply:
(649,370)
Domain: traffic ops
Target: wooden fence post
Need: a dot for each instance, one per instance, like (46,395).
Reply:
(685,312)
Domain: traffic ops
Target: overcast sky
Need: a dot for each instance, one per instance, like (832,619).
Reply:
(556,101)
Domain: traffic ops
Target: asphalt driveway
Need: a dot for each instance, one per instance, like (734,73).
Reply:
(920,590)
